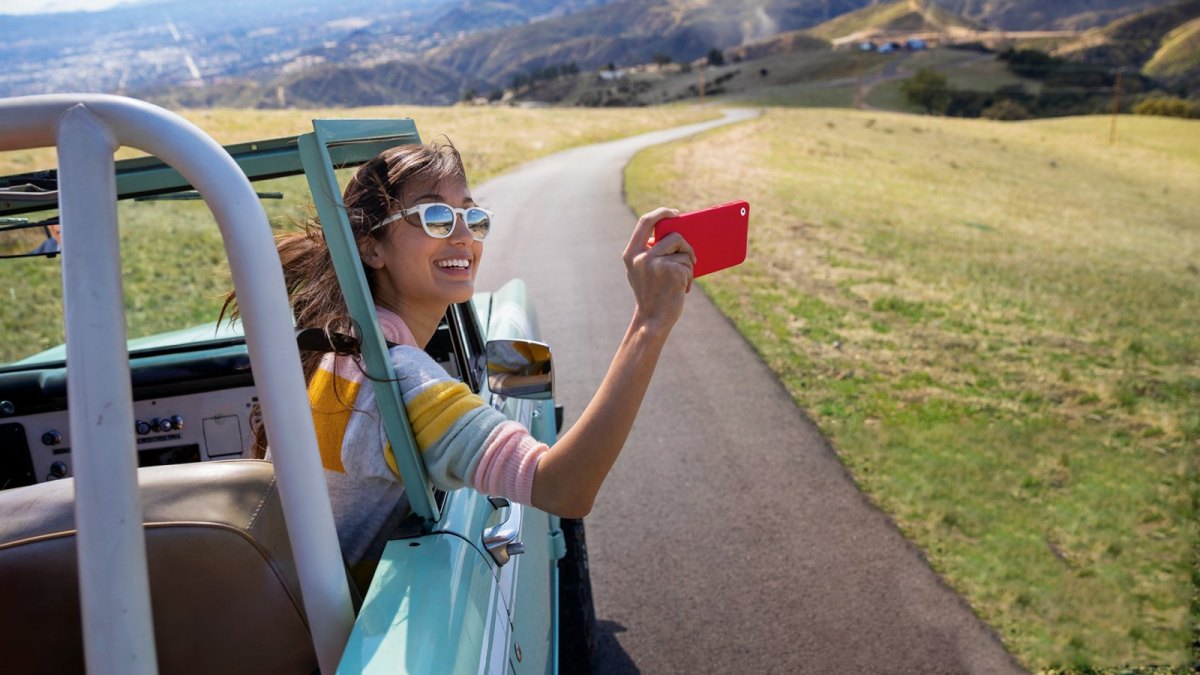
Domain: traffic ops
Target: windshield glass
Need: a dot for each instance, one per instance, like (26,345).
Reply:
(174,272)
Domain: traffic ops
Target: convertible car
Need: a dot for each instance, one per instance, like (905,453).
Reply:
(136,535)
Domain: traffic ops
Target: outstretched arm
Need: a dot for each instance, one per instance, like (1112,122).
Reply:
(570,474)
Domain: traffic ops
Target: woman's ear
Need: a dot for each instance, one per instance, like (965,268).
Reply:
(368,250)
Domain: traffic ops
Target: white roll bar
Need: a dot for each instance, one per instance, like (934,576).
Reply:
(114,589)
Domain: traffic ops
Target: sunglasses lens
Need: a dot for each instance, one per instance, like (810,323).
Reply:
(438,220)
(478,222)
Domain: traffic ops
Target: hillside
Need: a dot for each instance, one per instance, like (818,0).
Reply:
(629,32)
(790,42)
(382,63)
(894,16)
(359,71)
(1044,14)
(1167,37)
(1178,54)
(324,84)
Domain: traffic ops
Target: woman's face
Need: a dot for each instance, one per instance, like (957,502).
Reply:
(417,272)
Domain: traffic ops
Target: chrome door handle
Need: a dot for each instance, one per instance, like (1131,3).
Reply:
(501,540)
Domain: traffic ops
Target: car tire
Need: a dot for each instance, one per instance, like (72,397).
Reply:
(576,613)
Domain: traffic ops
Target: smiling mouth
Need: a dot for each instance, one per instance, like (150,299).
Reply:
(454,264)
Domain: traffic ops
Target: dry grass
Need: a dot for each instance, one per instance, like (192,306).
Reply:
(996,325)
(492,139)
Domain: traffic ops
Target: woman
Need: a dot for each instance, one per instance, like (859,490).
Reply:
(421,239)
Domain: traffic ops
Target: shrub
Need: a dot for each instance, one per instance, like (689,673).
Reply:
(1031,63)
(1006,109)
(1168,106)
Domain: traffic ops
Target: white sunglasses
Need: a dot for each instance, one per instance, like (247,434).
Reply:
(438,219)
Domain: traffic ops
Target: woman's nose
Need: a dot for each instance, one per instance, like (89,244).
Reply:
(461,232)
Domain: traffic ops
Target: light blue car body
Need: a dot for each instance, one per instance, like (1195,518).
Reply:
(439,603)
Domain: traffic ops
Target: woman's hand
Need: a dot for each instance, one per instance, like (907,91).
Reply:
(660,275)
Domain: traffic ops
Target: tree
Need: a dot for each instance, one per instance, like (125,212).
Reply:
(928,89)
(715,57)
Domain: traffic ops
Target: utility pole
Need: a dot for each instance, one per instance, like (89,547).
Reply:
(1112,131)
(702,69)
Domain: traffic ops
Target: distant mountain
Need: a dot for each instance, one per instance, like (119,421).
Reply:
(622,33)
(372,66)
(471,16)
(629,32)
(456,47)
(1045,14)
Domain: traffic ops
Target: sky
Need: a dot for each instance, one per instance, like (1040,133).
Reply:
(51,6)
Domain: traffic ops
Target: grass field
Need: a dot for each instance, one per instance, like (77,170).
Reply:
(184,286)
(491,139)
(995,323)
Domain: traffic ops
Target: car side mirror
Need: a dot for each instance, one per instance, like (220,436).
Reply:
(21,239)
(520,369)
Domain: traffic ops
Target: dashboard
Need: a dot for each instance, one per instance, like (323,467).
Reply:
(191,404)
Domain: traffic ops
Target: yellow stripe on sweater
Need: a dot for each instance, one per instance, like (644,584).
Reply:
(331,399)
(434,410)
(390,458)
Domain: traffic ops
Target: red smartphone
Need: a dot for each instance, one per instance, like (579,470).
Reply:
(717,234)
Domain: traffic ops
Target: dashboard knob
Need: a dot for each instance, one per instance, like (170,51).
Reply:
(165,424)
(58,469)
(51,437)
(7,408)
(177,420)
(142,427)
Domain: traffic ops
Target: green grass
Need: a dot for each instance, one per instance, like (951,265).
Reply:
(175,271)
(801,95)
(995,323)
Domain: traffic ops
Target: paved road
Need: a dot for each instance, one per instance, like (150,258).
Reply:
(728,539)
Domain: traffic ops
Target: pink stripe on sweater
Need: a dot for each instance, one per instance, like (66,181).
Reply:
(393,327)
(394,330)
(509,461)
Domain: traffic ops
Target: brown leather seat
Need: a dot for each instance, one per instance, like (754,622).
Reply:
(223,586)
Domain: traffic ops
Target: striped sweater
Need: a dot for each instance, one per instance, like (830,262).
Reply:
(463,441)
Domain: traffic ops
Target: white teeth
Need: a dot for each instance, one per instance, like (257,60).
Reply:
(460,264)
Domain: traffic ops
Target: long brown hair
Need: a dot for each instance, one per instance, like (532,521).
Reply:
(374,192)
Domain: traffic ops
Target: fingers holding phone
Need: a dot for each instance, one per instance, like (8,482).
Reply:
(675,249)
(659,274)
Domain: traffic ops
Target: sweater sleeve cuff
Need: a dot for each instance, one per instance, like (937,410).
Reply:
(509,463)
